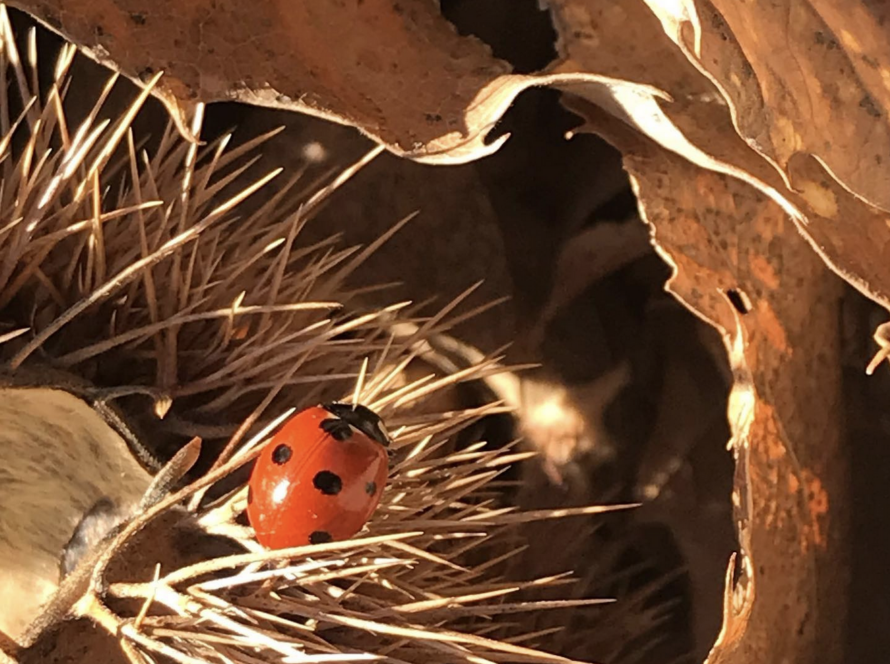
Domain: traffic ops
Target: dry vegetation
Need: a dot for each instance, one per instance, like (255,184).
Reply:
(127,267)
(756,142)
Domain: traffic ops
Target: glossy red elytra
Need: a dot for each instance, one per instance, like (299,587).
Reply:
(320,478)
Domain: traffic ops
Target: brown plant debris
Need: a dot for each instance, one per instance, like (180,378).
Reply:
(807,128)
(742,266)
(738,119)
(122,278)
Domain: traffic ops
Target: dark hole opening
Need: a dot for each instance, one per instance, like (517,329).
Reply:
(738,301)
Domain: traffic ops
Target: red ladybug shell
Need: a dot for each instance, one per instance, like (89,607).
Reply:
(320,478)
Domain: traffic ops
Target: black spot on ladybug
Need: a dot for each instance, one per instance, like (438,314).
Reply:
(281,454)
(371,488)
(137,18)
(327,482)
(337,428)
(320,537)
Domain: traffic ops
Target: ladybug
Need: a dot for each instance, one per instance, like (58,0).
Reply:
(320,478)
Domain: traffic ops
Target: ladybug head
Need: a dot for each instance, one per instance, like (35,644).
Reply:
(362,418)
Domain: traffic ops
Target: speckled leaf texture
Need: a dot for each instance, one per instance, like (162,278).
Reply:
(786,591)
(756,134)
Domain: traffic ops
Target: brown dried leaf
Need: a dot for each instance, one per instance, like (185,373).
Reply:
(786,98)
(667,46)
(813,121)
(801,78)
(722,236)
(397,70)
